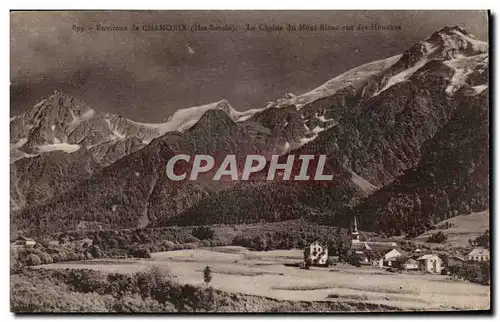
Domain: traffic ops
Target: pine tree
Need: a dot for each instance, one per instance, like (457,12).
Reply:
(207,274)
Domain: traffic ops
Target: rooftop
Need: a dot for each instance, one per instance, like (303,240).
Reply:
(428,256)
(479,252)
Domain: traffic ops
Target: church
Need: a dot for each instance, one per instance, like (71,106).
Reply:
(372,252)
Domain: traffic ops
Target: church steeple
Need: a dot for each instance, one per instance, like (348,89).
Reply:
(355,233)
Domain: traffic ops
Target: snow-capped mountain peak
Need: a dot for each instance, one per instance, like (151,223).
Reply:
(60,122)
(454,41)
(452,46)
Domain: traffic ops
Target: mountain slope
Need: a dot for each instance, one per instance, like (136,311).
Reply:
(36,180)
(134,191)
(371,140)
(452,177)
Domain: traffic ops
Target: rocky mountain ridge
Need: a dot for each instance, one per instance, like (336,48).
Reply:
(373,123)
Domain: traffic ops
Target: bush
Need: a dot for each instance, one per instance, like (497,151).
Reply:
(76,290)
(399,262)
(191,245)
(33,260)
(203,233)
(15,264)
(135,303)
(41,295)
(482,241)
(95,251)
(46,258)
(56,258)
(354,260)
(473,272)
(139,252)
(437,238)
(168,245)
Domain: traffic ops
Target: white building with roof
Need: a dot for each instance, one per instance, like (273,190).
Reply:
(387,259)
(430,263)
(316,254)
(479,255)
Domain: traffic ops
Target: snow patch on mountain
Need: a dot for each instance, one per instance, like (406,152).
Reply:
(183,119)
(16,153)
(476,44)
(426,49)
(20,143)
(479,89)
(402,76)
(65,147)
(243,116)
(323,119)
(355,77)
(318,129)
(306,140)
(116,135)
(362,183)
(457,80)
(85,116)
(287,147)
(463,66)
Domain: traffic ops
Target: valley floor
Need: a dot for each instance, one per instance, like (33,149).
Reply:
(271,274)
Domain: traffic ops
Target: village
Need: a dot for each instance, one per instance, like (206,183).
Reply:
(369,271)
(389,255)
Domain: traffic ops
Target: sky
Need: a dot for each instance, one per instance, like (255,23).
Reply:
(147,76)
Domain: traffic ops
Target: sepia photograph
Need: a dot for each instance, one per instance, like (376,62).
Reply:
(250,161)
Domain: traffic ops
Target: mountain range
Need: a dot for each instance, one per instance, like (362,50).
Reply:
(406,138)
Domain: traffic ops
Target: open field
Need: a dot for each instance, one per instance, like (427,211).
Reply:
(464,227)
(238,270)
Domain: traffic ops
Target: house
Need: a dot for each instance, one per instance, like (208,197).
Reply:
(410,264)
(24,241)
(430,263)
(316,254)
(479,255)
(387,259)
(455,261)
(392,255)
